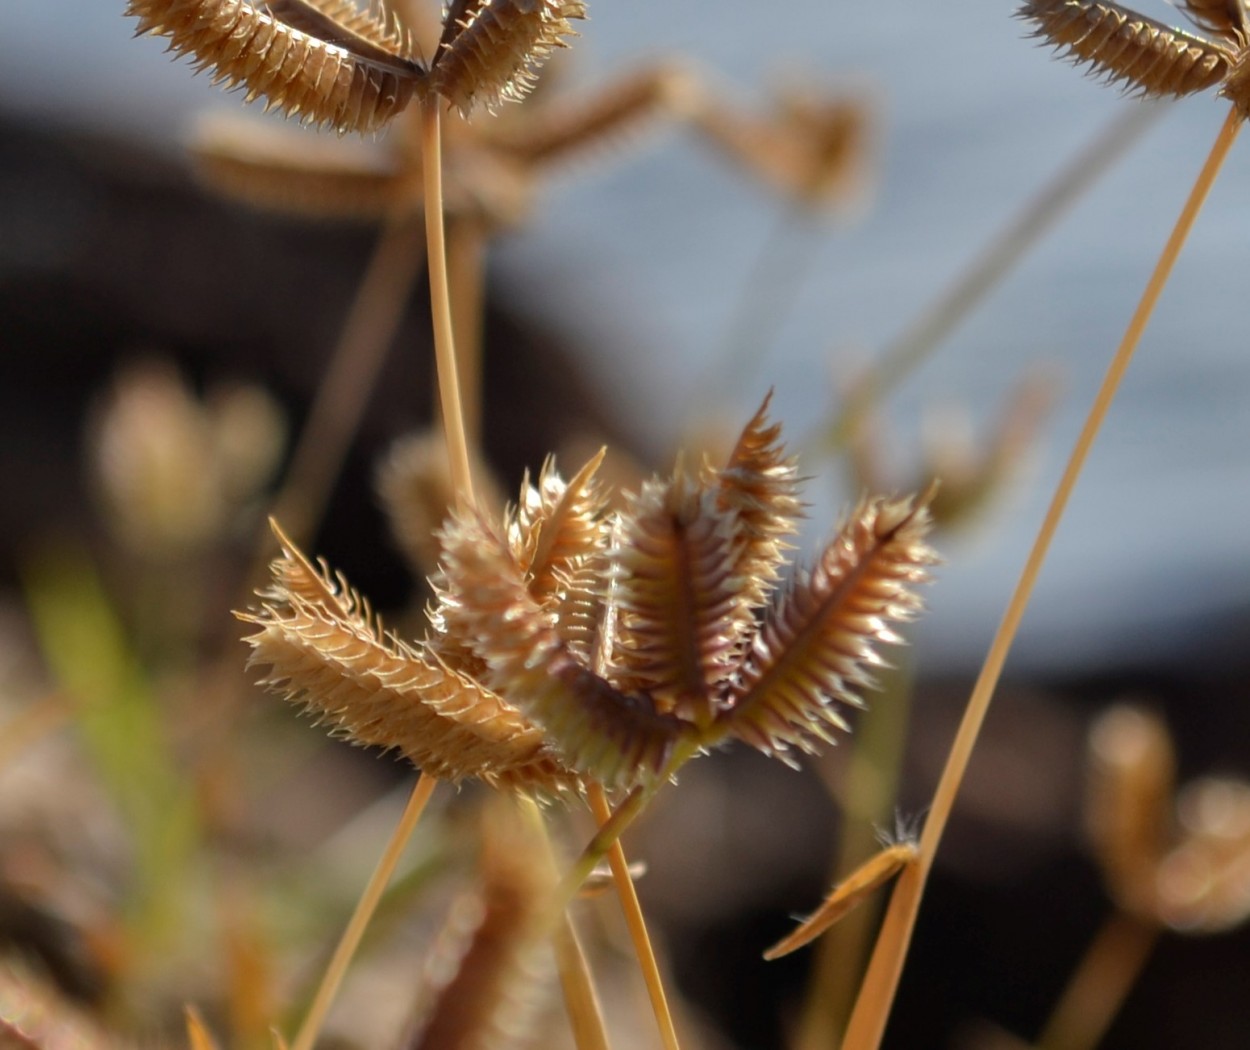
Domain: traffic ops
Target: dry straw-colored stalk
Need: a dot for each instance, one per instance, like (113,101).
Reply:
(1055,19)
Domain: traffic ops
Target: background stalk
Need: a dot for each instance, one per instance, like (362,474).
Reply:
(628,895)
(872,1009)
(349,379)
(365,907)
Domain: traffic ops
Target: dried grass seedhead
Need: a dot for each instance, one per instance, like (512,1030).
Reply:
(682,648)
(572,641)
(1177,861)
(329,653)
(415,485)
(489,974)
(1148,57)
(333,64)
(351,76)
(174,472)
(972,471)
(490,49)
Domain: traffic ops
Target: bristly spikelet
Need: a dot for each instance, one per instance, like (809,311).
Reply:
(1228,18)
(626,643)
(614,737)
(681,603)
(491,49)
(489,975)
(818,645)
(1145,56)
(285,171)
(328,653)
(352,84)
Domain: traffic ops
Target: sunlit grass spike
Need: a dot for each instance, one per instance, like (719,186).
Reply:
(846,896)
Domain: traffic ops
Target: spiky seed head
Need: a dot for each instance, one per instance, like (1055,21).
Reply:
(491,50)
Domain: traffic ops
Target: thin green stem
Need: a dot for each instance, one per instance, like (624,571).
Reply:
(867,1025)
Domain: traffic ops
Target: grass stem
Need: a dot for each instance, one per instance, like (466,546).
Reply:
(344,390)
(365,907)
(915,344)
(868,1020)
(440,303)
(628,895)
(1100,985)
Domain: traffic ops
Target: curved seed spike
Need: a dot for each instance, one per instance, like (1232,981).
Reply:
(1228,18)
(682,616)
(300,75)
(760,483)
(569,532)
(311,176)
(491,49)
(1121,46)
(617,738)
(818,645)
(374,37)
(328,653)
(570,130)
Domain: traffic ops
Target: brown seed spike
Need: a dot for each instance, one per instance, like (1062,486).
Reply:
(761,484)
(245,46)
(328,653)
(818,645)
(1228,18)
(680,602)
(491,49)
(1123,47)
(617,738)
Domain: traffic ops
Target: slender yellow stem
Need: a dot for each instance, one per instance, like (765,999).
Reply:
(628,896)
(466,261)
(365,907)
(868,1020)
(440,303)
(581,1002)
(344,389)
(1099,985)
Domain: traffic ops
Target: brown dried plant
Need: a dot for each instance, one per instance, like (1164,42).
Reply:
(1148,57)
(1177,861)
(334,65)
(488,976)
(972,473)
(569,645)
